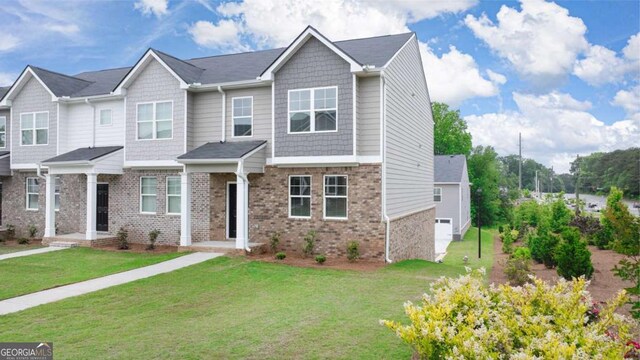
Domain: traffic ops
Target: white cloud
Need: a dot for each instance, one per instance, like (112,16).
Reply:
(629,100)
(541,41)
(225,34)
(7,79)
(65,29)
(8,42)
(554,126)
(419,10)
(496,77)
(632,50)
(602,65)
(155,7)
(454,76)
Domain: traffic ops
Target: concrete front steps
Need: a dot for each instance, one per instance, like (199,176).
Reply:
(225,247)
(79,239)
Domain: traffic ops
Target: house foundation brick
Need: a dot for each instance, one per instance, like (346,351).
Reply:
(413,236)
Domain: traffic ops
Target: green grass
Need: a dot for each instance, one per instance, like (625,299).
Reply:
(24,275)
(235,308)
(6,249)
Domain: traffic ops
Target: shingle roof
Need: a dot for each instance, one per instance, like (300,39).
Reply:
(375,51)
(222,150)
(3,153)
(449,168)
(3,91)
(84,154)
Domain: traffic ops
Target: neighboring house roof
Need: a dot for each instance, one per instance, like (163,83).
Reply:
(3,154)
(376,51)
(222,150)
(84,154)
(449,168)
(3,91)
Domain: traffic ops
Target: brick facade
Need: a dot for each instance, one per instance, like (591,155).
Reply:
(413,236)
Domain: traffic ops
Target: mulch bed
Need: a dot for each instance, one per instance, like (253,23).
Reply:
(139,248)
(14,242)
(331,263)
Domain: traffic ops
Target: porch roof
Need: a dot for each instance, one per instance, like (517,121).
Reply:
(83,154)
(230,151)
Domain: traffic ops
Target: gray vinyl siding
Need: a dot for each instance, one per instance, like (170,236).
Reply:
(314,65)
(261,114)
(368,111)
(465,202)
(255,163)
(409,135)
(7,138)
(190,121)
(154,83)
(5,169)
(449,207)
(207,118)
(33,97)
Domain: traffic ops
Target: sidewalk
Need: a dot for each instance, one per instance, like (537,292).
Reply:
(48,296)
(30,252)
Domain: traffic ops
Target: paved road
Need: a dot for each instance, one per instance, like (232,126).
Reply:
(600,201)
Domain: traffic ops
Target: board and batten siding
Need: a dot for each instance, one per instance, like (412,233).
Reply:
(207,118)
(33,97)
(76,128)
(6,114)
(409,135)
(368,116)
(261,114)
(153,84)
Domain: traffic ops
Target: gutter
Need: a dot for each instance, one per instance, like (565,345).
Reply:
(224,113)
(93,122)
(385,217)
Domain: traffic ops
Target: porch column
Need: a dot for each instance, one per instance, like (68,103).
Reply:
(92,190)
(185,209)
(242,212)
(50,206)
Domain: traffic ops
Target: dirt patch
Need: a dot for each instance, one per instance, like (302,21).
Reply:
(604,284)
(139,248)
(331,263)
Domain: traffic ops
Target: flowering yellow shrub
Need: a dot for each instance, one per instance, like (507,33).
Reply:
(466,319)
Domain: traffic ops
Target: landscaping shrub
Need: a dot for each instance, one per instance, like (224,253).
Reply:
(573,256)
(123,236)
(560,215)
(465,318)
(624,227)
(522,253)
(629,269)
(23,241)
(542,244)
(353,251)
(11,232)
(309,243)
(588,226)
(518,270)
(320,259)
(603,238)
(281,256)
(33,230)
(508,238)
(274,241)
(153,236)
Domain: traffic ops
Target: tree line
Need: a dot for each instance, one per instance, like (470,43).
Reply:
(599,172)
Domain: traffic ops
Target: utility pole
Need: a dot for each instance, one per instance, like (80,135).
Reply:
(520,162)
(537,189)
(578,185)
(551,181)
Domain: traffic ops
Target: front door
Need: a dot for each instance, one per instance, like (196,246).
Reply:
(102,208)
(231,210)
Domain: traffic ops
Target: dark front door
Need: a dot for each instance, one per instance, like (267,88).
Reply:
(102,208)
(231,205)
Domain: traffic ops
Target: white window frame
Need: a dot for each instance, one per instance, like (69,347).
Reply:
(324,198)
(167,195)
(301,196)
(4,119)
(434,194)
(27,193)
(141,195)
(154,121)
(110,117)
(34,128)
(57,189)
(312,110)
(233,117)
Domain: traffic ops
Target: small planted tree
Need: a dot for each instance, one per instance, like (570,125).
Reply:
(33,230)
(573,256)
(274,241)
(560,215)
(309,243)
(11,232)
(622,225)
(123,238)
(153,236)
(353,251)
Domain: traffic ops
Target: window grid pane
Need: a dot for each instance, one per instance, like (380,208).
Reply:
(3,131)
(242,116)
(300,196)
(105,117)
(313,110)
(335,192)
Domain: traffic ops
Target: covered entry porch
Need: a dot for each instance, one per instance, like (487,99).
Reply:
(236,160)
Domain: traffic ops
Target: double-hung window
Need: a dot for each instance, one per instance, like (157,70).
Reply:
(56,190)
(3,132)
(105,117)
(313,110)
(33,191)
(34,128)
(173,195)
(335,196)
(242,116)
(437,194)
(300,196)
(155,120)
(148,194)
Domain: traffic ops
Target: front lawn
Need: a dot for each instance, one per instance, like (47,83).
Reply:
(27,274)
(236,308)
(11,248)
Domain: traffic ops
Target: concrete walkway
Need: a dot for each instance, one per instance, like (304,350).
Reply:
(30,252)
(48,296)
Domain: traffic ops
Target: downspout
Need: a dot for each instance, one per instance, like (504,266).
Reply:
(39,172)
(240,173)
(383,110)
(93,122)
(224,113)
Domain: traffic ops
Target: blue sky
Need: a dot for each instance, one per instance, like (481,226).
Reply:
(565,74)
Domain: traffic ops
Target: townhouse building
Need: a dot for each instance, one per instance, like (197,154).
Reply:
(335,137)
